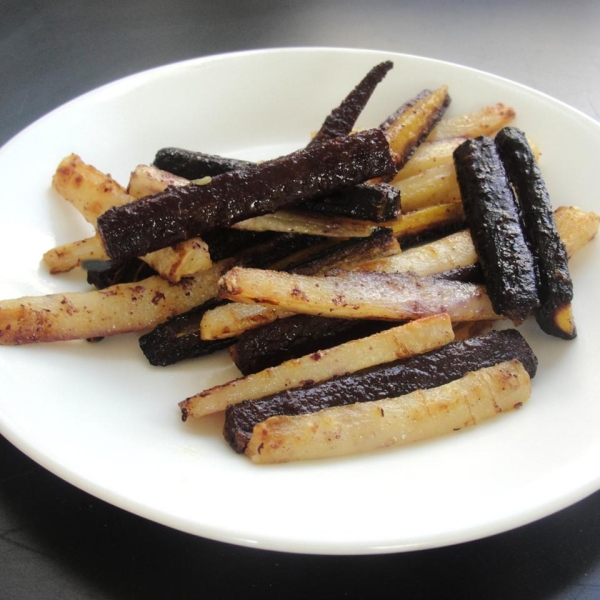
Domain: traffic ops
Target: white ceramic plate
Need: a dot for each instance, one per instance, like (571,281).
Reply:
(100,417)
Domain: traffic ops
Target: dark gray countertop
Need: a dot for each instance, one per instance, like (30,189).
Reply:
(59,542)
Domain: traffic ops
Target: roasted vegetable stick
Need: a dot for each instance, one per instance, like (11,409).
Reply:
(68,256)
(493,217)
(195,165)
(435,186)
(146,180)
(229,320)
(452,251)
(486,121)
(122,308)
(419,225)
(575,228)
(414,124)
(392,422)
(90,191)
(418,372)
(342,119)
(427,156)
(554,284)
(180,260)
(443,212)
(355,295)
(368,201)
(415,337)
(283,339)
(179,338)
(232,319)
(180,213)
(173,263)
(365,202)
(403,109)
(288,221)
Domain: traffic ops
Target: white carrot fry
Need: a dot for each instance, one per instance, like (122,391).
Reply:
(287,221)
(575,227)
(486,121)
(90,191)
(450,252)
(429,155)
(368,426)
(68,256)
(437,185)
(117,309)
(415,337)
(229,320)
(392,296)
(146,180)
